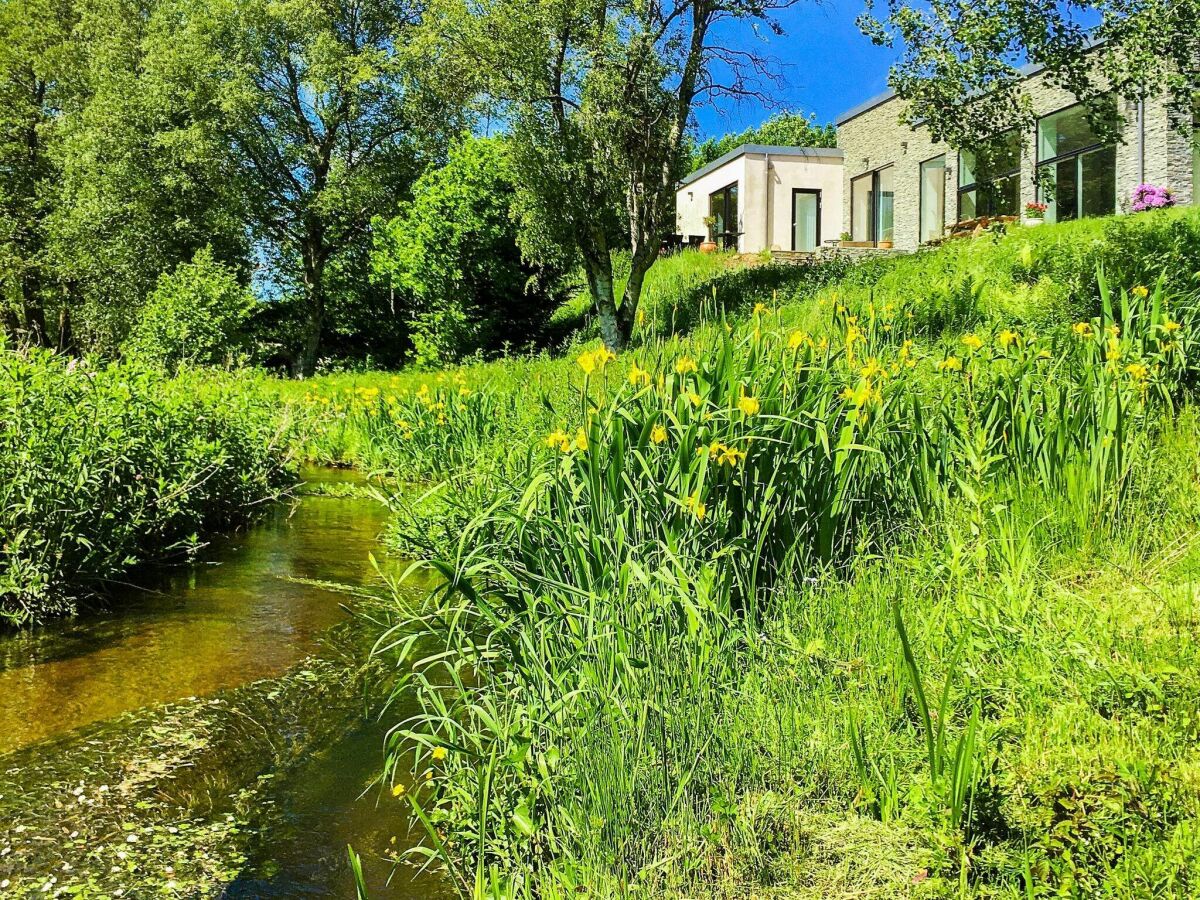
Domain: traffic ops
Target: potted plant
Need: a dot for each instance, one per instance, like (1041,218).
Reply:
(709,244)
(1150,196)
(1035,213)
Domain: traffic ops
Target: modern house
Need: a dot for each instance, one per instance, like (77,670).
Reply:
(761,197)
(903,189)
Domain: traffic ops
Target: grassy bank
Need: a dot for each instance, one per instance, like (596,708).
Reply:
(103,468)
(878,588)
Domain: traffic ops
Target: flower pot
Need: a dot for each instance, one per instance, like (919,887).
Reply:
(708,246)
(884,245)
(1030,221)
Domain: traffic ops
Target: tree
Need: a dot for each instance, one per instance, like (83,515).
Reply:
(453,254)
(599,97)
(323,110)
(783,129)
(959,69)
(35,84)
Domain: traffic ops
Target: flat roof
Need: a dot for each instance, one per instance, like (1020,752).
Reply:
(811,152)
(1025,71)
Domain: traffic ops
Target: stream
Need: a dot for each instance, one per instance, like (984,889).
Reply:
(209,736)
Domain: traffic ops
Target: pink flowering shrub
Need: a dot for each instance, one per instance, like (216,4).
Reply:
(1150,196)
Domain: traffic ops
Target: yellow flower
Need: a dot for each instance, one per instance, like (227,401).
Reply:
(1114,330)
(749,405)
(1137,371)
(439,753)
(581,440)
(559,440)
(950,364)
(603,356)
(638,376)
(684,365)
(872,369)
(1141,292)
(1008,337)
(1170,327)
(587,362)
(860,396)
(398,791)
(641,316)
(731,456)
(658,434)
(972,341)
(760,309)
(1082,329)
(694,398)
(1113,352)
(796,340)
(693,505)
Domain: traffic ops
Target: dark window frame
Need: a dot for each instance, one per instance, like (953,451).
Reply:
(817,192)
(1039,163)
(873,205)
(723,236)
(977,184)
(945,157)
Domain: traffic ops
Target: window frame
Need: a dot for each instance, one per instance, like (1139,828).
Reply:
(817,193)
(944,157)
(873,205)
(977,184)
(1076,155)
(721,236)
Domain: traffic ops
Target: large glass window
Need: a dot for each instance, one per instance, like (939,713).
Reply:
(1077,173)
(989,178)
(872,206)
(1196,148)
(933,199)
(723,207)
(885,204)
(862,207)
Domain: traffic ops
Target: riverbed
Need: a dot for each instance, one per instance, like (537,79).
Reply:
(210,729)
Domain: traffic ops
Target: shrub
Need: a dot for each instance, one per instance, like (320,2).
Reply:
(194,315)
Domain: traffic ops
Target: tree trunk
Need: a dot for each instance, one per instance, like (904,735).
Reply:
(597,265)
(315,253)
(35,315)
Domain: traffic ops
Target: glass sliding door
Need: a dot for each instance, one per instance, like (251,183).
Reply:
(806,220)
(862,208)
(933,199)
(1077,173)
(723,207)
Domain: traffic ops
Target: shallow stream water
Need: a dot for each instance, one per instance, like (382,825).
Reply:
(255,606)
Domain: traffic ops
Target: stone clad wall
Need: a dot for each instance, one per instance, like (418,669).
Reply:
(876,138)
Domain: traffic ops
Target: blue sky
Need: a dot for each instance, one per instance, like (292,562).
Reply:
(827,64)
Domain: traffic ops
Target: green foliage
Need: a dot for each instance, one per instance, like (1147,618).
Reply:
(194,316)
(890,649)
(783,129)
(453,250)
(106,467)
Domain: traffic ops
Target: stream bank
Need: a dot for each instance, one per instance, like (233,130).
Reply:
(212,736)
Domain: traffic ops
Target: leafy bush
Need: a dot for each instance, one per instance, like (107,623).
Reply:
(194,315)
(106,467)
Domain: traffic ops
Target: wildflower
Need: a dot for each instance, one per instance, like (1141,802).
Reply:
(694,398)
(398,791)
(796,340)
(581,440)
(872,369)
(950,364)
(760,309)
(559,440)
(731,456)
(693,505)
(859,396)
(1141,292)
(749,405)
(1170,327)
(439,753)
(638,376)
(685,364)
(1008,337)
(658,434)
(641,316)
(1113,352)
(1114,330)
(587,362)
(603,356)
(972,341)
(1137,371)
(1082,329)
(429,774)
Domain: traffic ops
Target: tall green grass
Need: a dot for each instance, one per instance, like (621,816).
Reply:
(607,697)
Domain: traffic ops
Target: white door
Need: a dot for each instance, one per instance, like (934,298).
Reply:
(806,220)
